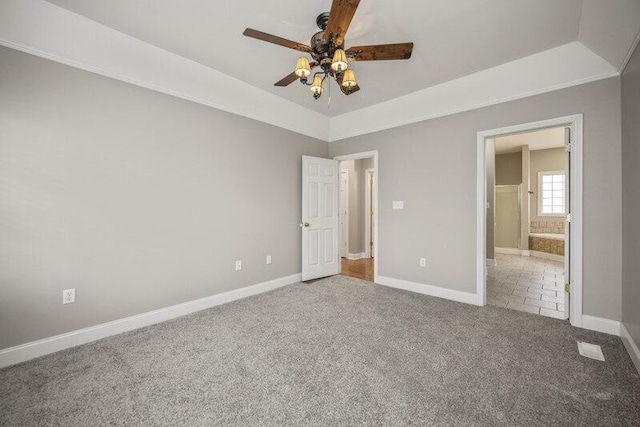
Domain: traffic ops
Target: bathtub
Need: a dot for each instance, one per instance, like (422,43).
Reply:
(547,236)
(547,242)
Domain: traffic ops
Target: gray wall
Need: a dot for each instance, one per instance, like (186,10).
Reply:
(137,199)
(631,197)
(357,184)
(509,169)
(548,160)
(431,165)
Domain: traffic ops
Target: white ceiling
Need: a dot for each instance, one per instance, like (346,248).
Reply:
(537,140)
(452,38)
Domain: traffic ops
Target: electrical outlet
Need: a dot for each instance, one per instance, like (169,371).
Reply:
(69,296)
(238,265)
(423,262)
(268,260)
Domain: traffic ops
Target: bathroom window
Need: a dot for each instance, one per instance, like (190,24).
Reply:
(551,187)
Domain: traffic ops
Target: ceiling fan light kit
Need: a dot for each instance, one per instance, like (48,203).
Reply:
(327,51)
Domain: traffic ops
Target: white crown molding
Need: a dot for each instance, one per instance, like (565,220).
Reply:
(561,67)
(46,30)
(629,54)
(49,31)
(31,350)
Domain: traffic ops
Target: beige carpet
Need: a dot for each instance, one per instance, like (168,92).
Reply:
(339,351)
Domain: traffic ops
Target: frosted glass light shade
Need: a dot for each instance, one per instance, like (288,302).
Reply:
(316,86)
(339,62)
(349,79)
(302,67)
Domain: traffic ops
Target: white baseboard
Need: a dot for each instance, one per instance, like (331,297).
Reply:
(631,346)
(491,262)
(434,291)
(545,255)
(24,352)
(356,256)
(508,251)
(600,324)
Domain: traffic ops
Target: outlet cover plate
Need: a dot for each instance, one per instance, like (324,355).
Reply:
(69,296)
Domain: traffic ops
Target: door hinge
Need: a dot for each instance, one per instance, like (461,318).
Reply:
(567,148)
(569,218)
(567,287)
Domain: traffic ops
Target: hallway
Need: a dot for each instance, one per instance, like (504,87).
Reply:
(358,268)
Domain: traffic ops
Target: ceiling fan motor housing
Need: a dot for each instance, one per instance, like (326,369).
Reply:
(321,48)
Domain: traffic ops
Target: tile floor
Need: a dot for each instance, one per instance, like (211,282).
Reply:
(527,284)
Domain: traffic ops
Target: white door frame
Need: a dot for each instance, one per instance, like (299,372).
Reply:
(576,184)
(344,252)
(376,177)
(368,206)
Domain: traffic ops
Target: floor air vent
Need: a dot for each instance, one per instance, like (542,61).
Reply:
(591,351)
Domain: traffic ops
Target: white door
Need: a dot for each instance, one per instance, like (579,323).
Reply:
(344,212)
(567,226)
(320,252)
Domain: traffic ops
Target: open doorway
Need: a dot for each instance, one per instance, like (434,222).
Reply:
(358,207)
(531,244)
(528,272)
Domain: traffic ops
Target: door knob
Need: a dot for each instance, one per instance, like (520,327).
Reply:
(305,224)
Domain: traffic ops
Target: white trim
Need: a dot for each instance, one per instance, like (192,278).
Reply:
(545,255)
(561,67)
(631,346)
(508,251)
(369,176)
(629,54)
(576,194)
(434,291)
(353,257)
(49,31)
(43,29)
(344,239)
(376,177)
(599,324)
(24,352)
(491,262)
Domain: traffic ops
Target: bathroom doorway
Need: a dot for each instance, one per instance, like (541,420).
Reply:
(529,177)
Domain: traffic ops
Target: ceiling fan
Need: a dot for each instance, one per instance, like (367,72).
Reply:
(327,50)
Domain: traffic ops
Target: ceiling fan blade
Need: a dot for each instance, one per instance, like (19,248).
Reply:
(286,81)
(340,17)
(380,52)
(250,32)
